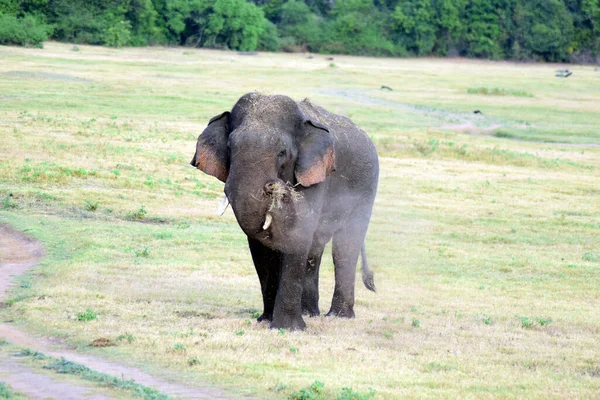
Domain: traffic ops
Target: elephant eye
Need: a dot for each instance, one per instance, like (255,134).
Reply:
(282,153)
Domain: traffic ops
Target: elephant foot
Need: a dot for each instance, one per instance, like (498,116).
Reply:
(311,311)
(342,313)
(292,323)
(265,317)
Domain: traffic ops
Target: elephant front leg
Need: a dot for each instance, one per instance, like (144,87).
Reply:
(310,292)
(287,313)
(268,265)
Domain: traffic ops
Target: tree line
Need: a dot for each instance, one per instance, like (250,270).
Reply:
(547,30)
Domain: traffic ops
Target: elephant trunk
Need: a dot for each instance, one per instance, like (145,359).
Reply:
(265,211)
(249,204)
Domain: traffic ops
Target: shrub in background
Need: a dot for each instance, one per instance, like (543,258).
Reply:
(26,31)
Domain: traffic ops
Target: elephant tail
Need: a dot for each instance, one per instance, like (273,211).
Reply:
(367,274)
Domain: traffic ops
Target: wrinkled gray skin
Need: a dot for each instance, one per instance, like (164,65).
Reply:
(333,167)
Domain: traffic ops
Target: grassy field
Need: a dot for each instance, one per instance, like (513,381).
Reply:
(485,239)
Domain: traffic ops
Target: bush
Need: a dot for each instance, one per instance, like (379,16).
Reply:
(26,31)
(288,44)
(118,35)
(268,39)
(234,24)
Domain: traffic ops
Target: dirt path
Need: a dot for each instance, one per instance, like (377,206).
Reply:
(19,252)
(39,386)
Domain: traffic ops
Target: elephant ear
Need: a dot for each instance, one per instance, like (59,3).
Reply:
(212,155)
(316,158)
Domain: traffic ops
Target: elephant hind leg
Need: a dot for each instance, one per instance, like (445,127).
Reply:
(347,244)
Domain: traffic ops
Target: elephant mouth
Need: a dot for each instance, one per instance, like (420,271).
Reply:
(278,193)
(274,205)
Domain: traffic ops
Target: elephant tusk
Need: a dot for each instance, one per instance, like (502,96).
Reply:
(223,206)
(268,221)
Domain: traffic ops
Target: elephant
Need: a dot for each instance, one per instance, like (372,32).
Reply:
(297,177)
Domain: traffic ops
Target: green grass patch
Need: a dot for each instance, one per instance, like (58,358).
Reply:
(498,92)
(87,315)
(316,391)
(6,392)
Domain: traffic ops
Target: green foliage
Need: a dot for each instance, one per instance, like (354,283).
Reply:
(163,235)
(4,391)
(8,202)
(88,315)
(26,31)
(451,27)
(268,40)
(484,31)
(78,21)
(137,215)
(145,252)
(543,321)
(316,392)
(526,322)
(427,148)
(126,336)
(486,319)
(193,361)
(235,24)
(415,20)
(529,323)
(179,348)
(349,394)
(91,205)
(543,30)
(33,354)
(313,392)
(119,34)
(357,29)
(547,30)
(301,29)
(143,19)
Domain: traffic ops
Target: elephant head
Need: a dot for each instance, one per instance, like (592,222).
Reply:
(268,152)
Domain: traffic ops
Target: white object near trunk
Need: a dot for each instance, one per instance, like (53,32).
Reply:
(223,206)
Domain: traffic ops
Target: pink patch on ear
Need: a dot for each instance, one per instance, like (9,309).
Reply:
(207,162)
(330,160)
(319,170)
